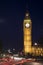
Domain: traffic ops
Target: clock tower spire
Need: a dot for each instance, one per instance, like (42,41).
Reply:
(27,15)
(27,26)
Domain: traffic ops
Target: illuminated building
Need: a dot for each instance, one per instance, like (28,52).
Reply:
(27,30)
(27,26)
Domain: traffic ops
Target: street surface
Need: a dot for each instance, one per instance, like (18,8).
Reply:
(9,61)
(33,63)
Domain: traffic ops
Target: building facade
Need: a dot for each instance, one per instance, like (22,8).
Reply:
(27,32)
(27,26)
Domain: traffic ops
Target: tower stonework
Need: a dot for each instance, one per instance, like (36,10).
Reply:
(27,26)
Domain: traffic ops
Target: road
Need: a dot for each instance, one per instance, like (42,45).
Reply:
(33,63)
(21,62)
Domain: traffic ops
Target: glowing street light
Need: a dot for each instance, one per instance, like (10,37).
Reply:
(35,44)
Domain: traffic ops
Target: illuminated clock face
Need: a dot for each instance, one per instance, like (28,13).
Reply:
(27,25)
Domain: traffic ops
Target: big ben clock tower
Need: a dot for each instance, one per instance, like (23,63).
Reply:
(27,26)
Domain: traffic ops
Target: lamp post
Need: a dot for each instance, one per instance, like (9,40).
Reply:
(35,44)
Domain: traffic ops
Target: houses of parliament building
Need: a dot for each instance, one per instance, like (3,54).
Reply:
(27,35)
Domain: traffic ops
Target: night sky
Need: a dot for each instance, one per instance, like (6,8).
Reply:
(12,14)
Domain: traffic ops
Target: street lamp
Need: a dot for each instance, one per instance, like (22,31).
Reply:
(35,44)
